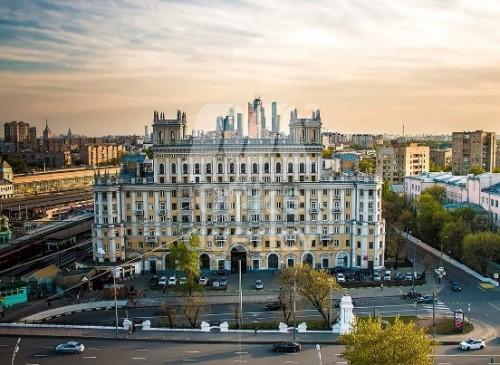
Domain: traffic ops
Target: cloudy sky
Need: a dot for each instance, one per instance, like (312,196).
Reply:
(102,67)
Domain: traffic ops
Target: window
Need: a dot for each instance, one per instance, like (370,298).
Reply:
(255,169)
(302,168)
(162,169)
(197,168)
(231,168)
(278,167)
(266,168)
(243,168)
(185,168)
(290,168)
(173,168)
(209,168)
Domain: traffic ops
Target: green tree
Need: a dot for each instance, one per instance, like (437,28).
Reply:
(367,165)
(186,258)
(18,165)
(476,170)
(327,152)
(149,152)
(452,235)
(431,218)
(314,285)
(481,248)
(372,342)
(433,167)
(394,245)
(496,170)
(437,192)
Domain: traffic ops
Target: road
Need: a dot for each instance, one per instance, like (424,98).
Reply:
(484,303)
(40,351)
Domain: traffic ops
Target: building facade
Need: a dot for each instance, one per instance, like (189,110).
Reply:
(473,149)
(266,202)
(99,154)
(441,156)
(395,162)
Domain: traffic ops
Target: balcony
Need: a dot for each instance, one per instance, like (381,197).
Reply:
(151,239)
(336,210)
(162,211)
(220,237)
(313,210)
(139,212)
(186,198)
(255,223)
(325,237)
(255,238)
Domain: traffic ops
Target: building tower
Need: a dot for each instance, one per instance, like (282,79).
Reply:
(239,124)
(168,131)
(275,118)
(306,130)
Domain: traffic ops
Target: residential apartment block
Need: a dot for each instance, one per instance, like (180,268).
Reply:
(441,156)
(98,154)
(395,162)
(473,149)
(266,202)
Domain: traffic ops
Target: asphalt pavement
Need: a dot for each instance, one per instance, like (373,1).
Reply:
(41,351)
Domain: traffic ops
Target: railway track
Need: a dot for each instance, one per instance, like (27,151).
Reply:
(47,200)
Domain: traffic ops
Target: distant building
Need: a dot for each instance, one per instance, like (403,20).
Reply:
(6,172)
(441,156)
(275,118)
(256,118)
(239,124)
(94,154)
(395,162)
(473,149)
(366,140)
(497,164)
(348,161)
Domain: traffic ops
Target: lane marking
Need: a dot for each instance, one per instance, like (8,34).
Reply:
(40,355)
(142,350)
(2,345)
(89,357)
(192,351)
(30,363)
(291,362)
(494,306)
(241,352)
(189,360)
(95,349)
(138,358)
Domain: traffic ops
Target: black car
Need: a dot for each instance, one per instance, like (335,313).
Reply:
(287,347)
(272,306)
(456,286)
(426,299)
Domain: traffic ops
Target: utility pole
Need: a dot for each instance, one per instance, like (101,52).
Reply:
(241,294)
(116,304)
(433,313)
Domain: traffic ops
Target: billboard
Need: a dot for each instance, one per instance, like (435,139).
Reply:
(458,321)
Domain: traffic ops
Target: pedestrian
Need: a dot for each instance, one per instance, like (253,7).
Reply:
(255,331)
(381,286)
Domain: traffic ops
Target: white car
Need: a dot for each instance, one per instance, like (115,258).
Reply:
(162,281)
(172,280)
(472,344)
(376,277)
(387,275)
(340,278)
(259,284)
(71,347)
(203,280)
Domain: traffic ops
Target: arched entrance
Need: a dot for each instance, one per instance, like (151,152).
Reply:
(152,265)
(272,261)
(204,262)
(238,253)
(308,259)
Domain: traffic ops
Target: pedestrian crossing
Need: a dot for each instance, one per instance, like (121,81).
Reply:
(439,308)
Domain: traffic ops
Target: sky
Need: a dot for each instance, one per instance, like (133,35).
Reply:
(102,67)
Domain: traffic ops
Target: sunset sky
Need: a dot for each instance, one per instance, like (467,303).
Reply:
(102,67)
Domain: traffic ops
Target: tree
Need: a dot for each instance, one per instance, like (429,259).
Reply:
(394,245)
(168,310)
(437,192)
(399,343)
(192,308)
(476,170)
(496,170)
(367,165)
(285,297)
(433,167)
(186,257)
(314,285)
(481,248)
(431,217)
(452,235)
(18,165)
(149,152)
(327,152)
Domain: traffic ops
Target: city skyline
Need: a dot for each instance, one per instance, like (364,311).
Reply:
(370,67)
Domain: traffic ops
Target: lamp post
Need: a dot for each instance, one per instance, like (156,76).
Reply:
(240,294)
(116,304)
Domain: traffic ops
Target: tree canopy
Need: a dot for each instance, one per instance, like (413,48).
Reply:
(481,248)
(372,342)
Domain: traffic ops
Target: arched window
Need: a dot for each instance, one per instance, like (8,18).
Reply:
(162,169)
(255,169)
(209,168)
(220,169)
(185,168)
(174,169)
(266,168)
(314,135)
(272,261)
(172,136)
(313,167)
(278,167)
(231,168)
(160,137)
(302,168)
(290,168)
(162,180)
(243,169)
(196,168)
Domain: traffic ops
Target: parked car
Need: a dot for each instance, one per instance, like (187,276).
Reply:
(398,275)
(221,272)
(272,306)
(426,299)
(215,283)
(70,347)
(408,276)
(456,286)
(172,280)
(472,344)
(411,295)
(287,347)
(376,276)
(183,280)
(162,281)
(223,281)
(259,284)
(387,275)
(203,280)
(340,278)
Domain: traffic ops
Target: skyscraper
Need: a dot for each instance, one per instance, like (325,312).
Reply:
(239,123)
(275,118)
(256,118)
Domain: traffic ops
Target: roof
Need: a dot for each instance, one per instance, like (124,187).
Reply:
(134,158)
(348,156)
(475,207)
(493,189)
(46,272)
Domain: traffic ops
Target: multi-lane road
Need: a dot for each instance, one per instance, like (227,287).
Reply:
(41,351)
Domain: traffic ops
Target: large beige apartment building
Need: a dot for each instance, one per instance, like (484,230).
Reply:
(473,149)
(266,202)
(395,162)
(98,154)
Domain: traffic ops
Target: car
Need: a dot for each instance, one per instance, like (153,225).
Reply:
(376,277)
(223,281)
(408,276)
(340,278)
(183,280)
(272,306)
(426,299)
(172,280)
(259,284)
(398,275)
(287,347)
(387,275)
(472,344)
(215,283)
(162,281)
(203,280)
(456,286)
(70,347)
